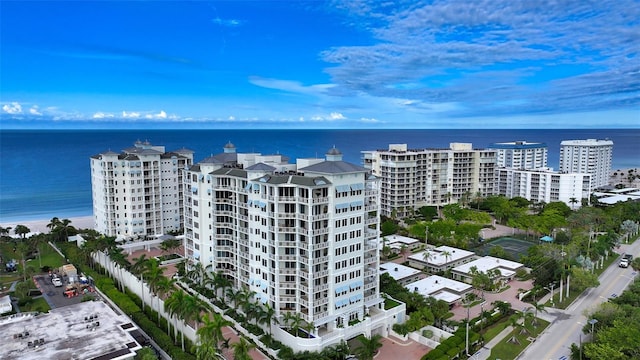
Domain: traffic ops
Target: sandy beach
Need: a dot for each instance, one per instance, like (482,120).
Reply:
(40,226)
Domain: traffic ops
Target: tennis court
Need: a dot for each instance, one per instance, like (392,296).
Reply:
(515,247)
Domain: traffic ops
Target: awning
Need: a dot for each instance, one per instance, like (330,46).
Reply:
(357,203)
(357,186)
(546,238)
(342,206)
(343,188)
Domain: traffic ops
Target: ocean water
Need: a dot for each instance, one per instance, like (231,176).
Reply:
(46,173)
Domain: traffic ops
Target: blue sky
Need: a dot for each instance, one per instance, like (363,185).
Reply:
(317,64)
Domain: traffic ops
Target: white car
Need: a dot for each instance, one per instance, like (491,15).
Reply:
(624,263)
(56,282)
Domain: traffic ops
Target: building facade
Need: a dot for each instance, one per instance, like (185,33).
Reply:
(303,236)
(520,155)
(412,178)
(544,185)
(138,192)
(588,156)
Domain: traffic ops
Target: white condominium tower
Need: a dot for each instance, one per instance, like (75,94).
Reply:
(302,236)
(412,178)
(589,156)
(520,155)
(543,185)
(138,191)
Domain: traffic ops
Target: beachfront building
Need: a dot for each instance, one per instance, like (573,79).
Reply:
(520,155)
(302,236)
(544,185)
(138,192)
(500,270)
(441,288)
(590,156)
(400,273)
(440,259)
(412,178)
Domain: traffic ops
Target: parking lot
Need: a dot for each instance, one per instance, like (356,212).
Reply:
(55,295)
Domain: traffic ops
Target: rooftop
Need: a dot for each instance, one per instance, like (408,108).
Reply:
(397,271)
(440,288)
(487,263)
(442,255)
(87,330)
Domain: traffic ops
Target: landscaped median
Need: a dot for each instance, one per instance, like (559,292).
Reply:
(519,338)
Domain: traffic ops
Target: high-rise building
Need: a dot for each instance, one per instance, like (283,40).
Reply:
(412,178)
(303,237)
(138,192)
(543,185)
(588,156)
(520,155)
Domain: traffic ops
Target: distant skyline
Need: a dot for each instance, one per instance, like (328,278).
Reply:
(320,64)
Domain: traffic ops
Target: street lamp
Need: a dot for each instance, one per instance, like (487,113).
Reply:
(592,322)
(550,288)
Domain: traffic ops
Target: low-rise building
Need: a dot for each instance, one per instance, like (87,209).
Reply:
(439,259)
(400,273)
(441,288)
(488,264)
(87,330)
(397,242)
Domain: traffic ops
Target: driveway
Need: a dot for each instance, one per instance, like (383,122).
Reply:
(510,295)
(397,349)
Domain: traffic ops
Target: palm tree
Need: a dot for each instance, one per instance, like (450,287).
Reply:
(65,226)
(293,321)
(446,255)
(309,327)
(21,230)
(537,307)
(173,306)
(368,346)
(207,351)
(241,349)
(163,286)
(138,269)
(193,308)
(269,317)
(211,330)
(22,248)
(4,231)
(573,202)
(53,224)
(121,262)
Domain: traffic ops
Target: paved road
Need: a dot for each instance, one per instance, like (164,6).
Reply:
(555,342)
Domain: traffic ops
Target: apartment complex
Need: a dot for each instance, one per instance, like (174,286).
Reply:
(412,178)
(303,236)
(588,156)
(138,192)
(520,155)
(544,185)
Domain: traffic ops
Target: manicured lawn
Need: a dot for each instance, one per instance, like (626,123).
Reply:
(506,349)
(495,329)
(390,304)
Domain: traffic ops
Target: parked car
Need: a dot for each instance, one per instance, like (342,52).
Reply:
(56,282)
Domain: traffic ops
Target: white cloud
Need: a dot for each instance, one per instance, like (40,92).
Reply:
(12,108)
(102,115)
(231,118)
(34,110)
(336,116)
(227,22)
(370,120)
(130,115)
(486,55)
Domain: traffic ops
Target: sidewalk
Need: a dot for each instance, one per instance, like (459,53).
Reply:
(484,353)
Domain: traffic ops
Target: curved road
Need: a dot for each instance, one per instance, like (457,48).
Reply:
(555,342)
